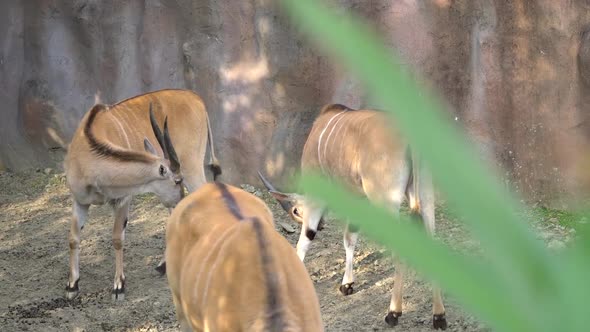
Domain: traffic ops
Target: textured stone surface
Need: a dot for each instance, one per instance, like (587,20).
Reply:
(516,75)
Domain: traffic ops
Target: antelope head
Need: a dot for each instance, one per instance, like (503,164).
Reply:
(165,173)
(293,203)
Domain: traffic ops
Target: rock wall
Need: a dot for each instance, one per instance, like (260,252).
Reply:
(515,73)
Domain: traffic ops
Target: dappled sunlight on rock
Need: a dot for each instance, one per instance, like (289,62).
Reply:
(235,102)
(442,3)
(245,71)
(275,165)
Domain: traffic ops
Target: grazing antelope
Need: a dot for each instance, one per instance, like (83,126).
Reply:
(230,270)
(111,158)
(360,149)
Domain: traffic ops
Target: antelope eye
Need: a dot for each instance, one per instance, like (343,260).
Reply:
(297,212)
(162,170)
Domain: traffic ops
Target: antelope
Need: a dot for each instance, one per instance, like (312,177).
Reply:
(359,148)
(230,270)
(111,158)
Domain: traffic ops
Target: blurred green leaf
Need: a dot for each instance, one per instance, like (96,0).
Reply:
(453,164)
(527,278)
(466,277)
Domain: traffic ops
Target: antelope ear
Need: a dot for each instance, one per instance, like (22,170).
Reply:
(149,147)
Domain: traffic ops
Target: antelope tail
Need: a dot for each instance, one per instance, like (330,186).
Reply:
(416,175)
(414,181)
(213,162)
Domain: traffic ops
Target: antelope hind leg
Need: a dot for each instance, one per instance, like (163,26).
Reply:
(121,210)
(350,240)
(79,216)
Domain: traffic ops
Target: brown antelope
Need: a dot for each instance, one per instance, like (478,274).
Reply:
(360,149)
(111,158)
(230,270)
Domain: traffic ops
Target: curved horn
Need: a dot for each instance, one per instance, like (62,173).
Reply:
(158,132)
(285,204)
(174,163)
(267,184)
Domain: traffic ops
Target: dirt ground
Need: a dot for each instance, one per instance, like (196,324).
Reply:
(34,222)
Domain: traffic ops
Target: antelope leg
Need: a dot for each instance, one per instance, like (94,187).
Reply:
(79,216)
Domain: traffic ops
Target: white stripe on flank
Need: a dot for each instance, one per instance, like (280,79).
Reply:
(320,139)
(211,250)
(330,134)
(121,130)
(220,257)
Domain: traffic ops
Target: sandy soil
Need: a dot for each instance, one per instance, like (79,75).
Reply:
(34,224)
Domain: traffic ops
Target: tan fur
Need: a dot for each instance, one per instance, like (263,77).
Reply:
(97,177)
(126,124)
(364,150)
(216,268)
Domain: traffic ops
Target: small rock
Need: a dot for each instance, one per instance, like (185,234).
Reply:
(556,244)
(248,188)
(324,252)
(48,171)
(288,228)
(546,235)
(553,220)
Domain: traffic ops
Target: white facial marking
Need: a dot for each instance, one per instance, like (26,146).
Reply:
(302,246)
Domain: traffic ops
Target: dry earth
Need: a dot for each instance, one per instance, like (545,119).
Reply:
(34,224)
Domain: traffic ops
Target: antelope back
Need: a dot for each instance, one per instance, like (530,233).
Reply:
(352,144)
(229,270)
(127,123)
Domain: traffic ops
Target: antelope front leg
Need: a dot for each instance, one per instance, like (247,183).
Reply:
(439,320)
(79,216)
(308,230)
(350,239)
(121,219)
(395,306)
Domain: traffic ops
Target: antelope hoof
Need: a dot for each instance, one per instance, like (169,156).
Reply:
(161,268)
(439,322)
(346,289)
(72,291)
(392,318)
(118,292)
